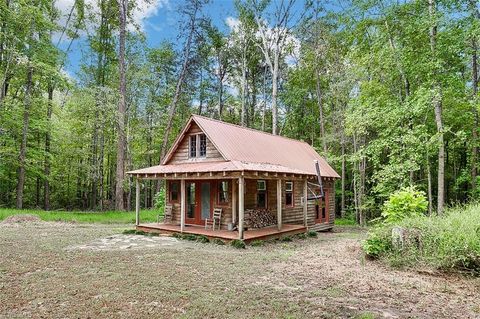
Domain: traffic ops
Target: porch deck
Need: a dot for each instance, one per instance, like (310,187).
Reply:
(253,234)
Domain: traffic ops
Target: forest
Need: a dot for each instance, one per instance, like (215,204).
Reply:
(386,91)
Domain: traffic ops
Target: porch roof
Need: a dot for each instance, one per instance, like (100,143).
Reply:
(216,167)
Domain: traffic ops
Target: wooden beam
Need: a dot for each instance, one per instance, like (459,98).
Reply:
(279,204)
(234,202)
(305,203)
(182,205)
(137,202)
(241,207)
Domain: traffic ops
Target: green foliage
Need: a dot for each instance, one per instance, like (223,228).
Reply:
(302,236)
(407,202)
(190,237)
(286,239)
(257,243)
(237,243)
(312,233)
(140,232)
(159,199)
(129,231)
(448,242)
(203,239)
(377,243)
(345,221)
(218,241)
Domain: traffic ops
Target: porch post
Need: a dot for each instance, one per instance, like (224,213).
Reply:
(279,204)
(241,208)
(234,202)
(305,203)
(137,202)
(182,205)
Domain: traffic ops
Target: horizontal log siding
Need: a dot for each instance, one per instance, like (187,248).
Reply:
(181,153)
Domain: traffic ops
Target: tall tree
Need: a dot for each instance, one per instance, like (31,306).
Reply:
(121,142)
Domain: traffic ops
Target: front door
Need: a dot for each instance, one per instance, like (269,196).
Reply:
(198,202)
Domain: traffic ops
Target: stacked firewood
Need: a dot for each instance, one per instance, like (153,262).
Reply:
(258,218)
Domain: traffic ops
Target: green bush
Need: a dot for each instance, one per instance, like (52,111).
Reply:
(190,237)
(448,242)
(202,239)
(408,202)
(237,243)
(286,238)
(129,231)
(257,243)
(302,236)
(140,232)
(312,233)
(159,199)
(218,241)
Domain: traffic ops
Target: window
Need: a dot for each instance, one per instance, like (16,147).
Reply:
(191,200)
(261,194)
(223,192)
(193,146)
(197,146)
(174,189)
(203,145)
(289,194)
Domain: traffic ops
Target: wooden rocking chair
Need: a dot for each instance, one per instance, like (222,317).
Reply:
(215,220)
(167,214)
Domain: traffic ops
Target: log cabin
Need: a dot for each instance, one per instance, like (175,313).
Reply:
(260,185)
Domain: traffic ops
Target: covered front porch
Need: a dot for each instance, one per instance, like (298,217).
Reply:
(264,233)
(189,203)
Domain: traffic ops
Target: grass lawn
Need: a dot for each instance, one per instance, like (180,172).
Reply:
(345,222)
(107,217)
(64,270)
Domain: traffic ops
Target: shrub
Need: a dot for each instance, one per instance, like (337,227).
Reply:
(408,202)
(190,237)
(377,242)
(312,233)
(140,232)
(177,235)
(159,199)
(257,243)
(448,242)
(237,243)
(218,241)
(286,238)
(302,236)
(129,231)
(202,239)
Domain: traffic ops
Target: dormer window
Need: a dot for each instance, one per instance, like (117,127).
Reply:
(197,146)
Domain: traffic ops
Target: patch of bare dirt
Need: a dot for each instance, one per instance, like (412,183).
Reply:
(121,242)
(21,218)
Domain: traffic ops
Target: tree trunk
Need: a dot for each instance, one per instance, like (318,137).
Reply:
(342,208)
(320,110)
(274,96)
(476,119)
(243,114)
(23,144)
(437,105)
(46,186)
(120,174)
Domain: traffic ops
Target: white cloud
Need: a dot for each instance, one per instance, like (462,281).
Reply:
(233,23)
(143,10)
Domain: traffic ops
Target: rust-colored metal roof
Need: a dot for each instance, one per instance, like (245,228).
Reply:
(246,149)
